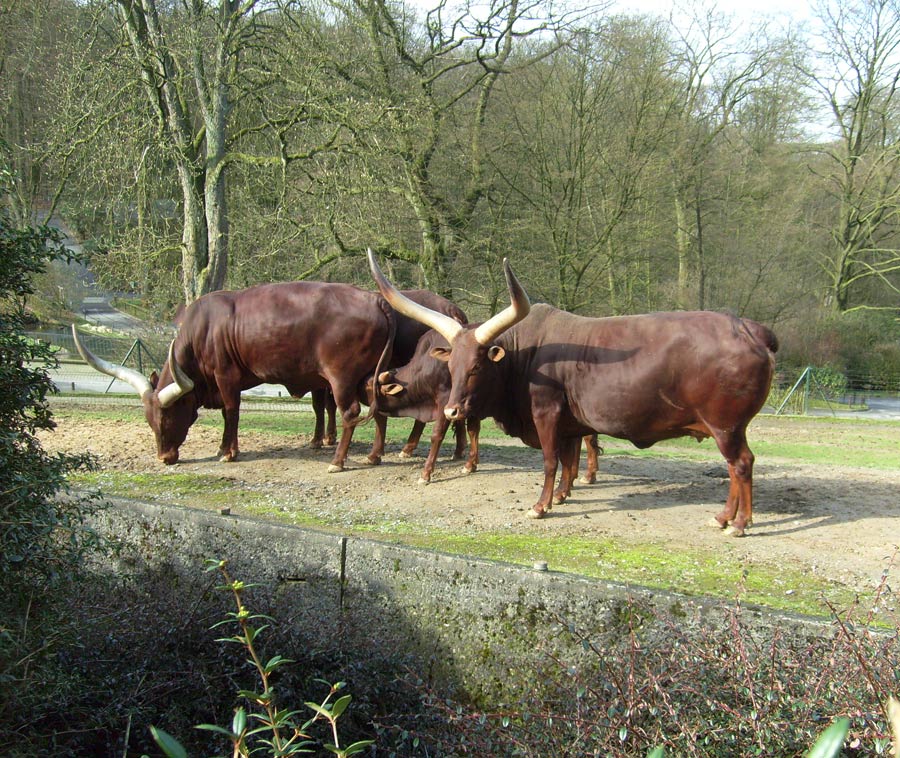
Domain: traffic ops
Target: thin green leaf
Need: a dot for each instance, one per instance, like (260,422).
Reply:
(168,744)
(358,747)
(275,662)
(216,729)
(831,740)
(321,710)
(340,705)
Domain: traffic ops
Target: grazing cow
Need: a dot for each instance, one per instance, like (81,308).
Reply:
(550,377)
(303,335)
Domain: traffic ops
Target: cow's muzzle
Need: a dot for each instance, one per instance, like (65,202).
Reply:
(453,414)
(169,457)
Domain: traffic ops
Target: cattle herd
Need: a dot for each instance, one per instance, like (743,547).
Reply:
(548,377)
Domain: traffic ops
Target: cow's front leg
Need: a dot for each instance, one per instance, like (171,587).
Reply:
(374,458)
(546,422)
(438,433)
(228,450)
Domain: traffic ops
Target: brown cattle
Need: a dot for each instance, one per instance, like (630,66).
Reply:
(420,390)
(409,333)
(550,377)
(303,335)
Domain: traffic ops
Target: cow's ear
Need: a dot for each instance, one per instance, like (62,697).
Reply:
(154,379)
(496,353)
(392,388)
(441,353)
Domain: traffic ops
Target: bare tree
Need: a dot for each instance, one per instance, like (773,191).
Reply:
(856,74)
(428,90)
(576,155)
(716,77)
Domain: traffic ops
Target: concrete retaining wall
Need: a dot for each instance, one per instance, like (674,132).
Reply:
(480,626)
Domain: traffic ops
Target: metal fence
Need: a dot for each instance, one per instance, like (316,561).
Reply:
(792,390)
(145,353)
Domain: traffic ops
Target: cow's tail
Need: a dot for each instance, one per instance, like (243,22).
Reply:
(391,315)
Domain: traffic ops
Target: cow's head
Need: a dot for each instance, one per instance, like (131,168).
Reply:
(418,387)
(170,406)
(471,353)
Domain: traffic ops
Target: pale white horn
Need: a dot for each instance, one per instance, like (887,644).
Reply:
(447,327)
(181,382)
(518,309)
(128,375)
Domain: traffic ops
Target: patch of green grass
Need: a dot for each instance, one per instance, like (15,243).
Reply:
(722,574)
(175,487)
(688,572)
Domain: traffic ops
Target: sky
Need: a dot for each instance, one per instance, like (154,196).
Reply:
(744,10)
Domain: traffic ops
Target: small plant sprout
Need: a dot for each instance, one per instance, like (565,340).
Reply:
(263,727)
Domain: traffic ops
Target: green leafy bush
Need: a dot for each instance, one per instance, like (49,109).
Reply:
(267,728)
(41,533)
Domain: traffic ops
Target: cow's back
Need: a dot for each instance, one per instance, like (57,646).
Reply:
(287,333)
(643,378)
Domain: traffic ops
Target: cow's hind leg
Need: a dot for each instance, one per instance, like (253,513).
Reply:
(377,453)
(459,434)
(569,453)
(473,429)
(412,442)
(737,515)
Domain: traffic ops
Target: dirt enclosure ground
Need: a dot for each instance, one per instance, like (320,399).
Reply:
(838,522)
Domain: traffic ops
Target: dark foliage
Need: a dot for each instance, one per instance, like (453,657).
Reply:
(139,649)
(42,530)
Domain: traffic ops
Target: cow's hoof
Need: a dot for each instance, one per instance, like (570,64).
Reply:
(404,454)
(733,531)
(334,468)
(376,461)
(714,523)
(588,480)
(423,480)
(559,499)
(228,458)
(532,513)
(466,470)
(315,445)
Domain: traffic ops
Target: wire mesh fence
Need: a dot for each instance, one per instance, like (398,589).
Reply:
(794,389)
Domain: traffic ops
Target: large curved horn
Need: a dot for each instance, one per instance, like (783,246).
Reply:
(513,314)
(181,382)
(446,326)
(135,378)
